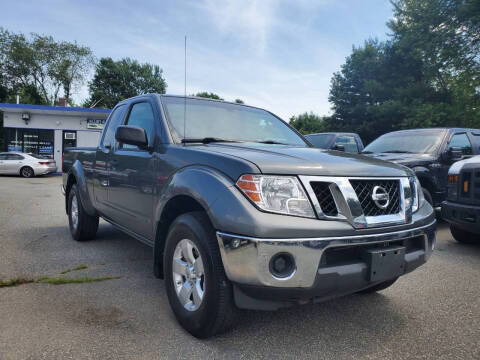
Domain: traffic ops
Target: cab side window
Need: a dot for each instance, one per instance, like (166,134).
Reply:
(115,120)
(461,141)
(348,142)
(14,157)
(3,156)
(142,116)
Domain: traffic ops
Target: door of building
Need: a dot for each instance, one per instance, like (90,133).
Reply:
(69,139)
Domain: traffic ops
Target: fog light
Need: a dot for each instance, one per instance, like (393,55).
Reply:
(282,265)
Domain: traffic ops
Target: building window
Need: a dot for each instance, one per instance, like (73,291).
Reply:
(33,141)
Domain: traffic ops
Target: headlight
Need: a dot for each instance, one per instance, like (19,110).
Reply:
(278,194)
(418,198)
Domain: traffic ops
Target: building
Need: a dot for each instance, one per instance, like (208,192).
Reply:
(48,130)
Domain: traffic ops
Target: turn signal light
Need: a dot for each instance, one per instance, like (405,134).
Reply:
(249,187)
(465,186)
(453,179)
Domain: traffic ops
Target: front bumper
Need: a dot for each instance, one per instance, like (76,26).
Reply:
(463,216)
(247,262)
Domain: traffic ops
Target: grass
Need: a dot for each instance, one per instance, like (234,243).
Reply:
(15,282)
(80,280)
(55,280)
(79,267)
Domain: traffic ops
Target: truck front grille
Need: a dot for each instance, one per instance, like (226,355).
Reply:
(476,185)
(364,190)
(362,202)
(324,197)
(469,193)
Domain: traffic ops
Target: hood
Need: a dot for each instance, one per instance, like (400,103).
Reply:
(457,167)
(292,160)
(405,159)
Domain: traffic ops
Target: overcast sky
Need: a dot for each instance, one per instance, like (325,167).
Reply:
(279,55)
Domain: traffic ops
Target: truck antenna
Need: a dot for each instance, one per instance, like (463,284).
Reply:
(185,96)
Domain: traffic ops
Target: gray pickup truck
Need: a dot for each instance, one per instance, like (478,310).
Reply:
(241,211)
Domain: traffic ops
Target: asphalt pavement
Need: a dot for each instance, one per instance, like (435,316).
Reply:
(431,313)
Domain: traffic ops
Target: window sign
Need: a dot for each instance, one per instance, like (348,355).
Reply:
(40,142)
(96,124)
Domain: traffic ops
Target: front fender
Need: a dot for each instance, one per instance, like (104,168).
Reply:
(78,172)
(204,184)
(425,176)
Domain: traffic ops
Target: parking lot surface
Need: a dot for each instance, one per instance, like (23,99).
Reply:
(433,312)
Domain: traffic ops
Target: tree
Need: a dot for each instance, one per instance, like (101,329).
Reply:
(427,73)
(239,101)
(209,95)
(40,67)
(308,123)
(115,81)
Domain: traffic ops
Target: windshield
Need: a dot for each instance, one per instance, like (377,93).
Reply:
(425,141)
(320,141)
(228,122)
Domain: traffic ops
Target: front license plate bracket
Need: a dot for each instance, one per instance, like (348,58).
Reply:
(384,263)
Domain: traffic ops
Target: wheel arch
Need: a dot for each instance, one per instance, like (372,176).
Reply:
(193,188)
(76,175)
(425,177)
(26,166)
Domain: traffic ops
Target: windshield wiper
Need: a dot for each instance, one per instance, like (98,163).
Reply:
(398,152)
(270,142)
(206,140)
(366,152)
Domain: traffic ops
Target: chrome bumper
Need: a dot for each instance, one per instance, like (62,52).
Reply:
(247,260)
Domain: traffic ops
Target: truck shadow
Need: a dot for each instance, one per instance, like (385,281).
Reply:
(333,328)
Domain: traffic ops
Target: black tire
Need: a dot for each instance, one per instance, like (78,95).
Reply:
(216,312)
(86,225)
(378,287)
(427,196)
(27,172)
(463,236)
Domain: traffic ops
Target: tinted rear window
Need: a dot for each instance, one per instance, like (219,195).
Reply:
(320,141)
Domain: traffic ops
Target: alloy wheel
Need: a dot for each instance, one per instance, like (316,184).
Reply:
(74,212)
(188,275)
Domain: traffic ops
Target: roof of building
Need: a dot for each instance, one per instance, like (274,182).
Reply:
(47,108)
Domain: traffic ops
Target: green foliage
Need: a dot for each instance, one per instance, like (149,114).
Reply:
(427,74)
(308,123)
(209,95)
(239,101)
(115,81)
(39,68)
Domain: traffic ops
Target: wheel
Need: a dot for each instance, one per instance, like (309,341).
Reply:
(82,226)
(378,287)
(427,196)
(27,172)
(463,236)
(199,293)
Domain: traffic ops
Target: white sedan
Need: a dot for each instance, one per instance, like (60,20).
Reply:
(26,165)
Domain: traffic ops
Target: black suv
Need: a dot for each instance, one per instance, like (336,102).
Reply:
(429,153)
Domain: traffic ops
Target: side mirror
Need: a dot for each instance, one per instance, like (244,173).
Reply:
(339,148)
(454,154)
(132,135)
